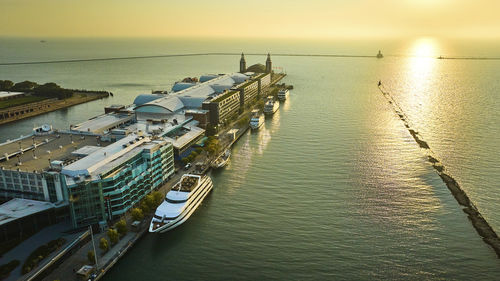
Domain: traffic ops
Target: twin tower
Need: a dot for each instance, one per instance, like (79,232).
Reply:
(243,64)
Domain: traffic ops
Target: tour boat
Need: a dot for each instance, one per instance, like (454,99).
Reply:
(222,160)
(257,119)
(271,106)
(283,94)
(180,202)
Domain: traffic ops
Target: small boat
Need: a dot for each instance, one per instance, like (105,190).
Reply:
(283,94)
(379,55)
(180,202)
(257,119)
(222,160)
(271,106)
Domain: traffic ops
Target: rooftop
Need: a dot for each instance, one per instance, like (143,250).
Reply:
(10,94)
(53,146)
(101,123)
(89,165)
(19,208)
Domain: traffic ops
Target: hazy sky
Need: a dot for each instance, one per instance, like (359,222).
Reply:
(250,18)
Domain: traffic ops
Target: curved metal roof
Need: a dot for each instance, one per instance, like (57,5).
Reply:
(205,78)
(181,86)
(171,103)
(145,98)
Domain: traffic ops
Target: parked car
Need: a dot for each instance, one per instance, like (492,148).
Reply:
(188,165)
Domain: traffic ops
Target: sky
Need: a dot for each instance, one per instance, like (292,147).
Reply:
(251,18)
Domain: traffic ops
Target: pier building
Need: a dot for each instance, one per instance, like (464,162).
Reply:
(110,180)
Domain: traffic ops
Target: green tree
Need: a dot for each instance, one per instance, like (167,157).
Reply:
(198,150)
(103,244)
(158,198)
(113,236)
(91,257)
(137,214)
(6,85)
(185,160)
(25,86)
(121,227)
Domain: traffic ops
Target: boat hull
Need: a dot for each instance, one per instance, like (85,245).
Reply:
(185,214)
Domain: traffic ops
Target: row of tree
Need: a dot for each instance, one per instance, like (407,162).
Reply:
(51,90)
(115,233)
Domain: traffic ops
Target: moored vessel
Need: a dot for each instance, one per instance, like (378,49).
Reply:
(222,160)
(283,94)
(180,202)
(257,119)
(271,106)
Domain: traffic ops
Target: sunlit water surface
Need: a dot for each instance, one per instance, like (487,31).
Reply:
(333,186)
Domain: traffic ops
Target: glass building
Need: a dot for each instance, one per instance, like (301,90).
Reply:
(108,182)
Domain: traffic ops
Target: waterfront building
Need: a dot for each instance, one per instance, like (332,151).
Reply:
(249,91)
(28,166)
(22,217)
(11,95)
(110,180)
(224,107)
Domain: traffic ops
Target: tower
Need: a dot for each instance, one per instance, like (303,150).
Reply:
(269,64)
(243,63)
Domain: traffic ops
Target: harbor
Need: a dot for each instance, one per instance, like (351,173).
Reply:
(332,177)
(124,130)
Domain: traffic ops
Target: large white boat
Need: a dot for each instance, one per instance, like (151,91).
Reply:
(222,160)
(257,119)
(283,94)
(180,202)
(271,106)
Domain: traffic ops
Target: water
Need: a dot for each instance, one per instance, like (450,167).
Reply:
(333,186)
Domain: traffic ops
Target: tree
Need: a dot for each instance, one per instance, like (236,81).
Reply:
(113,236)
(158,198)
(91,257)
(6,85)
(103,244)
(185,160)
(121,227)
(137,214)
(25,86)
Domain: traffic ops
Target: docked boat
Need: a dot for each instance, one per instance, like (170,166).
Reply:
(379,55)
(271,106)
(222,160)
(283,94)
(180,202)
(257,119)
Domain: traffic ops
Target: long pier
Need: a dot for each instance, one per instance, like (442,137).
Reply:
(478,221)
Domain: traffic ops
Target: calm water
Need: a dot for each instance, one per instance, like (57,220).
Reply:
(333,186)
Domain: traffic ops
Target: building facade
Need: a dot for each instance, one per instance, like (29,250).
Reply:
(124,173)
(223,107)
(249,91)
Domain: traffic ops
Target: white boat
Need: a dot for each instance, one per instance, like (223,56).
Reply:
(222,160)
(271,106)
(180,202)
(283,94)
(257,119)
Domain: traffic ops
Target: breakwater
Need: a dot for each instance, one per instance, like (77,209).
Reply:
(185,55)
(480,224)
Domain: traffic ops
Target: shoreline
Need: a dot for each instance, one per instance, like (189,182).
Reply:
(24,111)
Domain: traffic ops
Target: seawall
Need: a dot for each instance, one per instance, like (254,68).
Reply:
(478,222)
